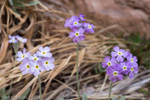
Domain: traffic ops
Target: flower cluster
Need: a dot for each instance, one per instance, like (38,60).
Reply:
(16,39)
(78,28)
(34,64)
(120,64)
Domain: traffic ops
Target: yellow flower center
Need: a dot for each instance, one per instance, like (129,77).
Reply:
(124,68)
(44,53)
(13,40)
(115,73)
(35,59)
(132,60)
(119,53)
(89,26)
(77,34)
(36,66)
(46,62)
(109,63)
(28,66)
(132,69)
(23,56)
(75,23)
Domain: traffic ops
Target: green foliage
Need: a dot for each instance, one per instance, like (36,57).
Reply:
(142,50)
(98,69)
(25,94)
(121,98)
(114,98)
(84,96)
(4,94)
(22,3)
(61,99)
(146,91)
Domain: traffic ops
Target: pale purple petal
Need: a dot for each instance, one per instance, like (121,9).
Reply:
(52,66)
(47,49)
(24,51)
(76,40)
(71,34)
(19,59)
(113,54)
(113,79)
(40,48)
(116,48)
(48,55)
(19,54)
(120,59)
(131,75)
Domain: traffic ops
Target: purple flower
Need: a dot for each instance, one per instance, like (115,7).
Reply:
(22,55)
(48,63)
(25,67)
(69,21)
(77,35)
(132,59)
(125,67)
(108,62)
(75,23)
(35,57)
(12,39)
(133,70)
(89,27)
(82,17)
(22,40)
(119,53)
(36,67)
(44,52)
(115,73)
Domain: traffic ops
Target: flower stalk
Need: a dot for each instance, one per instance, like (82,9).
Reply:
(110,90)
(40,92)
(77,73)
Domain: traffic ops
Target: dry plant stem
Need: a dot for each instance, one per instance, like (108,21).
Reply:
(15,47)
(110,90)
(40,86)
(77,73)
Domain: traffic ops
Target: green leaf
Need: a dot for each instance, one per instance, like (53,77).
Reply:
(84,97)
(114,98)
(11,2)
(122,98)
(24,96)
(4,95)
(60,99)
(33,3)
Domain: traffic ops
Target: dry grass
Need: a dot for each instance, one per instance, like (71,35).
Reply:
(43,25)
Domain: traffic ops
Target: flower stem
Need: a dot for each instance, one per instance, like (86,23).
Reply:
(77,73)
(110,90)
(40,86)
(15,47)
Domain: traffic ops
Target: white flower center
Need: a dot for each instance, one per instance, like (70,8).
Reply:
(75,23)
(115,73)
(124,68)
(44,53)
(27,66)
(35,59)
(132,60)
(120,53)
(132,69)
(109,63)
(37,67)
(76,34)
(89,26)
(46,62)
(23,56)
